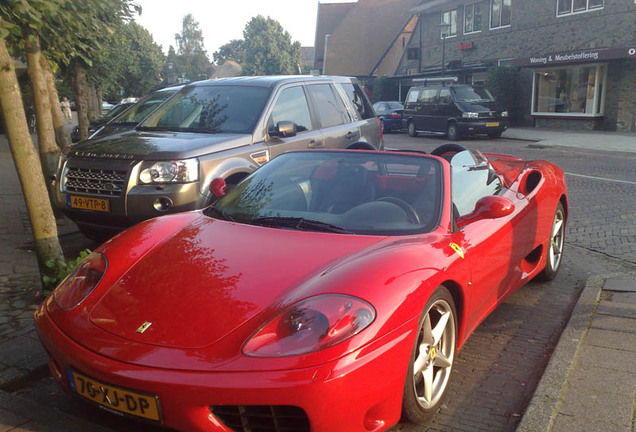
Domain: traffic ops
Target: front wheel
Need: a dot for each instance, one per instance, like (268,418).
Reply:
(555,246)
(411,129)
(494,134)
(432,359)
(452,132)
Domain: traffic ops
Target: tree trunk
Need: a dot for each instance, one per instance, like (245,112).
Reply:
(80,92)
(47,244)
(59,123)
(92,102)
(49,151)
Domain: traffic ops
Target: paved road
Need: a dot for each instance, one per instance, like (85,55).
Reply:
(499,367)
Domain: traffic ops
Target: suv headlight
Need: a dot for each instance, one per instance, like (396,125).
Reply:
(504,113)
(176,171)
(470,115)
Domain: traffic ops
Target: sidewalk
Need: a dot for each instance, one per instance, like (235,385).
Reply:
(595,140)
(590,382)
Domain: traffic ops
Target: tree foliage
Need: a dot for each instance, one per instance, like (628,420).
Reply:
(269,49)
(191,57)
(233,50)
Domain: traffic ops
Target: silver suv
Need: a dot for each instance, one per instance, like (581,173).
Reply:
(219,128)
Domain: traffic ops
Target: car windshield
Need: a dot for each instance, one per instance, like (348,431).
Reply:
(354,192)
(143,108)
(395,105)
(211,109)
(472,94)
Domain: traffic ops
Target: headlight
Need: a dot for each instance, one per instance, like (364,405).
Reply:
(504,113)
(311,325)
(80,282)
(470,115)
(178,171)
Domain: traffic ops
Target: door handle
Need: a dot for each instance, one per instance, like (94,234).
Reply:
(349,135)
(314,144)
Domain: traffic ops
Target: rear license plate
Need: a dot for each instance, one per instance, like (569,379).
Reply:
(84,203)
(115,398)
(492,124)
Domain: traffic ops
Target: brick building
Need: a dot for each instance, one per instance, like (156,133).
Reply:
(576,58)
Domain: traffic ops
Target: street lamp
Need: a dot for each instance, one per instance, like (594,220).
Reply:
(444,26)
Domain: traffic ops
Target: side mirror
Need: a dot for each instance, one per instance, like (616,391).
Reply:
(284,129)
(488,207)
(218,187)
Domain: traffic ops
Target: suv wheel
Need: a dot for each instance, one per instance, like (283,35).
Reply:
(452,132)
(411,129)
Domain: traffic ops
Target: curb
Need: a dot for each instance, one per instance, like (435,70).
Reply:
(546,400)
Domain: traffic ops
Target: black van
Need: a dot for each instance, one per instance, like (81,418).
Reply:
(454,110)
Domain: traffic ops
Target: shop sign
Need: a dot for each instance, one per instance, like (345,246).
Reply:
(466,46)
(583,56)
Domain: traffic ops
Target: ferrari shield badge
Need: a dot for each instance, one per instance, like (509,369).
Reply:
(142,328)
(458,249)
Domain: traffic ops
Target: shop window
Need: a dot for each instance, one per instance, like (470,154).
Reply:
(472,18)
(570,91)
(568,7)
(499,13)
(448,24)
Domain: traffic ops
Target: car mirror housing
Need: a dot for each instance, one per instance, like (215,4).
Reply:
(284,129)
(218,187)
(488,207)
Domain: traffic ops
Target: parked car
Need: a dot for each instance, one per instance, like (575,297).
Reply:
(390,115)
(218,128)
(107,106)
(454,110)
(127,120)
(101,121)
(391,260)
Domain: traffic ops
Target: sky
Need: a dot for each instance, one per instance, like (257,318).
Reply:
(224,20)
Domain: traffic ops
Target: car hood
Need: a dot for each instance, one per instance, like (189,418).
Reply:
(158,145)
(479,106)
(211,277)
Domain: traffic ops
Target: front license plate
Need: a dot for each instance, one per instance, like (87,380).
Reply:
(115,398)
(84,203)
(492,124)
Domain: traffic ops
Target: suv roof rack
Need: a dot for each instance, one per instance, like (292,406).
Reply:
(442,80)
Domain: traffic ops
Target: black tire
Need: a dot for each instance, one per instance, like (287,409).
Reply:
(419,405)
(556,242)
(495,134)
(411,129)
(452,132)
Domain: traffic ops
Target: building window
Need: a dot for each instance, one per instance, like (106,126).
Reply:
(472,18)
(573,91)
(568,7)
(448,24)
(499,13)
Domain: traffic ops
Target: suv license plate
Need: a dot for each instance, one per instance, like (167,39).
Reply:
(492,124)
(84,203)
(115,398)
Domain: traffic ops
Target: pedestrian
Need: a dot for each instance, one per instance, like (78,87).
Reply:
(66,109)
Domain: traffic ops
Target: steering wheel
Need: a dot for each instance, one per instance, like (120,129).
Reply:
(411,213)
(447,148)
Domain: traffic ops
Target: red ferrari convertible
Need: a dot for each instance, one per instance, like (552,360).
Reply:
(329,291)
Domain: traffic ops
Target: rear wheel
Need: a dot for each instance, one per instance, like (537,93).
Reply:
(555,246)
(452,132)
(411,129)
(494,134)
(432,359)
